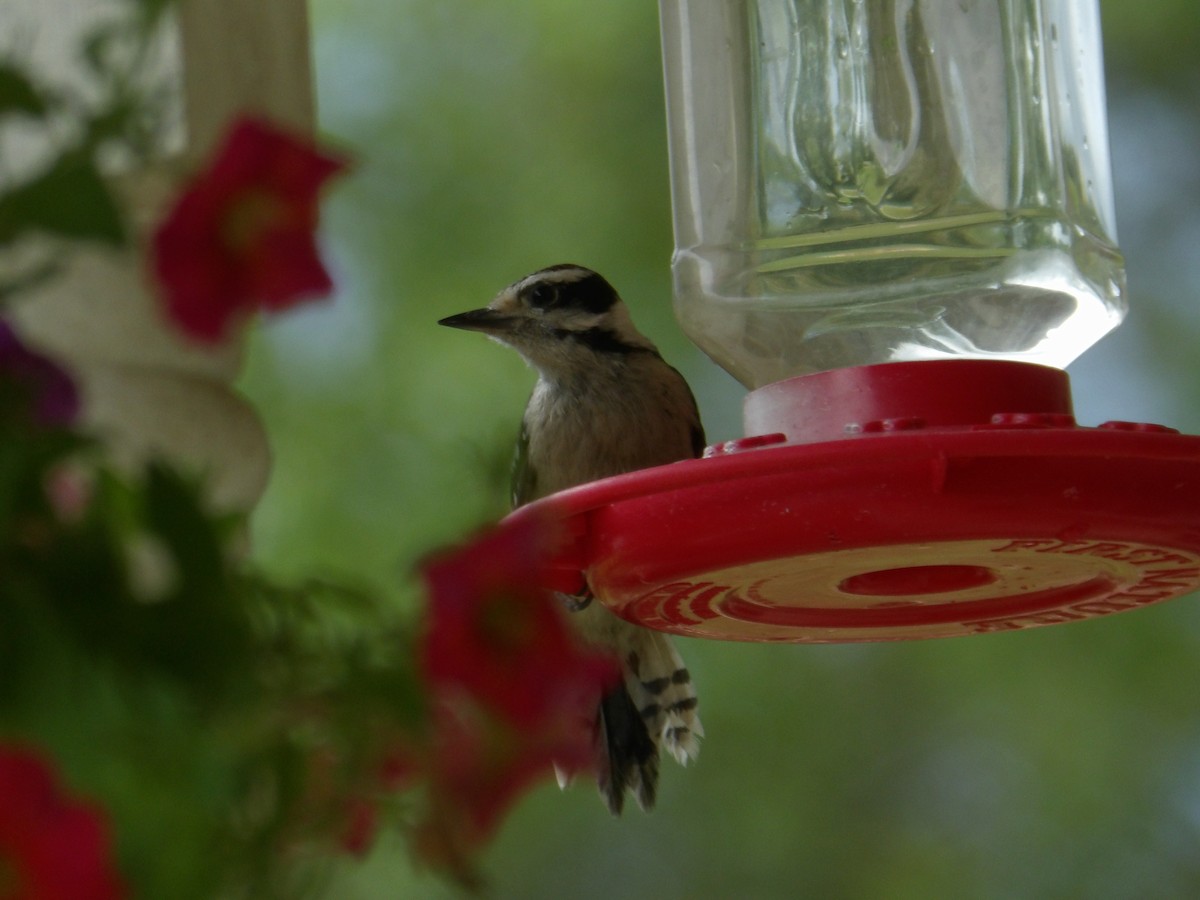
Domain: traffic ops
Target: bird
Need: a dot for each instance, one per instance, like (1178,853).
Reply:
(604,403)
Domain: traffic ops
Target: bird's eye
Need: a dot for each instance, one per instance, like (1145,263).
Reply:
(543,295)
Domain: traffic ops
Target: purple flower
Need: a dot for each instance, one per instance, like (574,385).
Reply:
(38,388)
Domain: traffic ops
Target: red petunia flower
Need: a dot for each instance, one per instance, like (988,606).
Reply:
(512,694)
(513,691)
(495,634)
(479,765)
(483,763)
(350,810)
(241,235)
(52,847)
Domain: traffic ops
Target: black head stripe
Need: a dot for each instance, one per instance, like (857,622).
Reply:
(588,293)
(602,340)
(592,295)
(562,267)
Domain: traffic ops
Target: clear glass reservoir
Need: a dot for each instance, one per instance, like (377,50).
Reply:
(867,181)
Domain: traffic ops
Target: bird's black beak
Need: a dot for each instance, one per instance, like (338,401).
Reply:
(486,320)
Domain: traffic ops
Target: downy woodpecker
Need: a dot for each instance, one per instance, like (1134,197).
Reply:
(605,403)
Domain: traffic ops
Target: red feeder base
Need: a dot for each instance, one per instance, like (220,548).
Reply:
(897,501)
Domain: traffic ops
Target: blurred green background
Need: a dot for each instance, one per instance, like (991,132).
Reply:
(497,138)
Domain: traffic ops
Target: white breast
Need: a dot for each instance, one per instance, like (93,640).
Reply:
(638,416)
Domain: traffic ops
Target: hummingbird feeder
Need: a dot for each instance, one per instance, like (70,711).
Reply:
(894,225)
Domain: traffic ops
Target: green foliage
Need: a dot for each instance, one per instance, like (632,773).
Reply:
(1153,42)
(151,11)
(17,93)
(69,200)
(197,710)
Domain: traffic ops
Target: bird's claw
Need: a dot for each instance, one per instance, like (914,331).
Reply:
(576,603)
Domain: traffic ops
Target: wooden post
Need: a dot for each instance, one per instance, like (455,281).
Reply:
(147,390)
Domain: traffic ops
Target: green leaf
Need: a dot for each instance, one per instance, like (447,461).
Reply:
(95,47)
(152,10)
(201,631)
(17,93)
(69,200)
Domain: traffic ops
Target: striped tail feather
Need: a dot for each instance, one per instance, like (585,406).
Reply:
(655,707)
(661,688)
(626,756)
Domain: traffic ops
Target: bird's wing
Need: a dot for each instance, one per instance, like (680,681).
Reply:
(523,486)
(697,430)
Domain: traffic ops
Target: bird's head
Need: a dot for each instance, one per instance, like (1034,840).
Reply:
(560,319)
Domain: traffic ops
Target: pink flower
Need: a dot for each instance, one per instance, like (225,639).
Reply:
(69,488)
(52,847)
(242,233)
